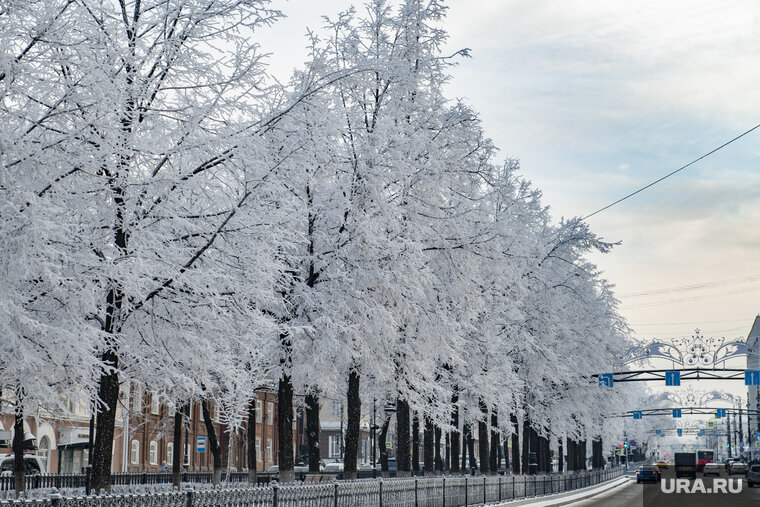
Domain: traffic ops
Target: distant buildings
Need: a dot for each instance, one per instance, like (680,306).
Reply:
(753,363)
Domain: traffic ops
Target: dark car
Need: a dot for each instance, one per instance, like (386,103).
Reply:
(647,474)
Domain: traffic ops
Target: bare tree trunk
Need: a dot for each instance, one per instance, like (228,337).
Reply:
(285,460)
(483,439)
(494,454)
(402,434)
(438,462)
(526,446)
(465,446)
(251,436)
(383,449)
(455,436)
(561,457)
(352,429)
(177,450)
(427,445)
(312,431)
(415,442)
(515,444)
(213,443)
(19,479)
(471,449)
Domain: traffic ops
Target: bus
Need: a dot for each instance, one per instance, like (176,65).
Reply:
(704,457)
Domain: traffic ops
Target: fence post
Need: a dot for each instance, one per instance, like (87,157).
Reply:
(513,487)
(335,493)
(444,492)
(189,494)
(381,492)
(466,495)
(55,498)
(500,488)
(275,494)
(485,478)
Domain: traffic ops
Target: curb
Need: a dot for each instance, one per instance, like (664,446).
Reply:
(569,497)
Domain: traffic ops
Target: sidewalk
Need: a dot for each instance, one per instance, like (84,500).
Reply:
(570,496)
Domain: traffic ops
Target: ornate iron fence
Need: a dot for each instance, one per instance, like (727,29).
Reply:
(448,491)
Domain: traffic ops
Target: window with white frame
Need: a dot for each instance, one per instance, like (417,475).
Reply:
(170,453)
(153,452)
(269,449)
(270,413)
(137,399)
(258,449)
(186,458)
(333,446)
(258,411)
(154,403)
(135,457)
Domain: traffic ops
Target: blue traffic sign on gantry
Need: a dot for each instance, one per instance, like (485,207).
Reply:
(752,378)
(658,432)
(680,432)
(672,378)
(676,412)
(720,413)
(637,414)
(606,380)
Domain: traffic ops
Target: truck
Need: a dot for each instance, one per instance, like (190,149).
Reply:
(686,465)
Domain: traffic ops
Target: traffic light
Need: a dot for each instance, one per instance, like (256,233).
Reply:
(625,444)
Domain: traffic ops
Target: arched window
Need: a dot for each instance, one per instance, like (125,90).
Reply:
(44,452)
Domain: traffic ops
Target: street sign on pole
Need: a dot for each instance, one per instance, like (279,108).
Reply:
(672,378)
(637,414)
(676,412)
(680,432)
(711,425)
(658,432)
(752,378)
(200,444)
(632,444)
(720,413)
(606,380)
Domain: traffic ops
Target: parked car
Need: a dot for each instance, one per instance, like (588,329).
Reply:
(711,469)
(364,468)
(33,464)
(662,464)
(737,467)
(647,474)
(301,469)
(391,465)
(333,468)
(274,469)
(701,464)
(753,476)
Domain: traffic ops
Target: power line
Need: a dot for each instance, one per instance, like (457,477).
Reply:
(672,173)
(692,287)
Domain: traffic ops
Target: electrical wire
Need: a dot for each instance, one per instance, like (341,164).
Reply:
(692,287)
(674,172)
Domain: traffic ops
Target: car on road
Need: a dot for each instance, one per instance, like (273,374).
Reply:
(662,464)
(647,474)
(33,465)
(737,467)
(333,468)
(701,464)
(711,469)
(753,476)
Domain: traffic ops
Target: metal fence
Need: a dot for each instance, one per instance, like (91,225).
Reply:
(446,491)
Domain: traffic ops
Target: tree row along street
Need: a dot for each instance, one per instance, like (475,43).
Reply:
(172,217)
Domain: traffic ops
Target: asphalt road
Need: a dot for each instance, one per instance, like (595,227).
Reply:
(651,495)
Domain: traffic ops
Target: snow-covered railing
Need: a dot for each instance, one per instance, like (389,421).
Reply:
(446,491)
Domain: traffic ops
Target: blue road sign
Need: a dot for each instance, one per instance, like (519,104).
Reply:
(200,444)
(752,378)
(606,380)
(757,437)
(701,432)
(676,412)
(720,413)
(637,414)
(658,432)
(632,444)
(672,378)
(680,432)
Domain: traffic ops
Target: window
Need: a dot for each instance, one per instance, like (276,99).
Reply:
(334,446)
(269,449)
(270,413)
(154,403)
(153,452)
(258,411)
(170,452)
(135,458)
(44,451)
(337,409)
(258,448)
(137,399)
(186,458)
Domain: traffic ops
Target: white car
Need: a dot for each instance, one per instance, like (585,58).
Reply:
(33,465)
(753,476)
(737,467)
(711,469)
(333,468)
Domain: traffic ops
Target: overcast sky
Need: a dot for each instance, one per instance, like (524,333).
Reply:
(600,97)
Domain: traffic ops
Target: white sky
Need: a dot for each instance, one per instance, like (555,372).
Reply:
(598,98)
